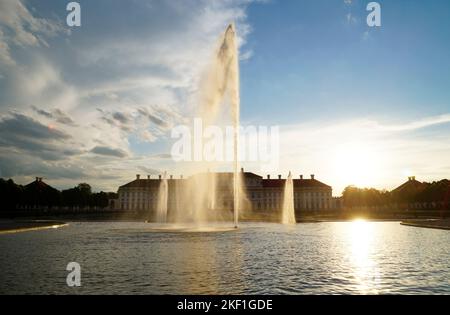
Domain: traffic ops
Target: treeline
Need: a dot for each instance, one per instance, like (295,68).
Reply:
(364,197)
(414,194)
(39,195)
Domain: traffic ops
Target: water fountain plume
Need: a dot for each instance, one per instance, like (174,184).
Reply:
(230,44)
(163,197)
(197,201)
(288,212)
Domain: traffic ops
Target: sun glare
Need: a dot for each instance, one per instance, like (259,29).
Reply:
(358,164)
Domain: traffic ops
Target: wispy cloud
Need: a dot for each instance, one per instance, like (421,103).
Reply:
(419,124)
(26,29)
(351,19)
(109,152)
(56,115)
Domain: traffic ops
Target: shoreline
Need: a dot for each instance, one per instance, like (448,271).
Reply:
(13,227)
(443,224)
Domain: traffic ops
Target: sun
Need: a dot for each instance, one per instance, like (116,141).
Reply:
(358,164)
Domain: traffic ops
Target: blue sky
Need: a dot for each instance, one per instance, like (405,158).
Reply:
(315,62)
(355,105)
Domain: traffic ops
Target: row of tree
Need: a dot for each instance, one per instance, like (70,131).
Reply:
(39,194)
(426,195)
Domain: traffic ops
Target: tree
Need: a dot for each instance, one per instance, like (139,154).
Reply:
(10,194)
(364,197)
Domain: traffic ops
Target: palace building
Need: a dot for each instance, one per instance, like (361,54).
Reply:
(262,194)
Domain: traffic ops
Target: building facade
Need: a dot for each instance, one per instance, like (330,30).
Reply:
(261,194)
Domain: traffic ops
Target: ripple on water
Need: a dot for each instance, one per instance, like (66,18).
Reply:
(323,258)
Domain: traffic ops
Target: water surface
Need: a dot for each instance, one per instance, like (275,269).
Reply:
(319,258)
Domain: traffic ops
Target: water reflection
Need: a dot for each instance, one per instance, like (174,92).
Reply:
(200,262)
(361,239)
(195,265)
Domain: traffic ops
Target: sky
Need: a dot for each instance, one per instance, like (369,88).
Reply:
(355,105)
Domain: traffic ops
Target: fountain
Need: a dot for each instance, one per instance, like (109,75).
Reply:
(196,198)
(222,83)
(163,197)
(229,56)
(288,213)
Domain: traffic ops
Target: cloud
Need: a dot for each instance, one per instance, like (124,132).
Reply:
(21,133)
(162,156)
(109,152)
(20,125)
(351,19)
(121,117)
(147,123)
(366,36)
(39,83)
(27,29)
(149,171)
(153,118)
(419,124)
(56,115)
(18,165)
(5,53)
(84,101)
(120,120)
(62,117)
(42,112)
(147,136)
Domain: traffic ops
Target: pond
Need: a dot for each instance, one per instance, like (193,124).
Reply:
(312,258)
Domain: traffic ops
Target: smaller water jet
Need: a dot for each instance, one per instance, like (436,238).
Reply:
(163,197)
(288,213)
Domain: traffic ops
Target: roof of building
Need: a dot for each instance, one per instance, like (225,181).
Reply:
(298,183)
(139,183)
(230,174)
(266,183)
(39,185)
(411,185)
(251,175)
(310,183)
(154,182)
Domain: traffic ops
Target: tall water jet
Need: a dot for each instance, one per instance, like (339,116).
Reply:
(220,85)
(163,198)
(219,105)
(230,43)
(288,213)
